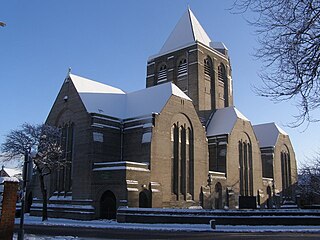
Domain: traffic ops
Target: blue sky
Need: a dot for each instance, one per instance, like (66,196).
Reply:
(110,41)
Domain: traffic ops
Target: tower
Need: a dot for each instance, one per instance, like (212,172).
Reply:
(199,67)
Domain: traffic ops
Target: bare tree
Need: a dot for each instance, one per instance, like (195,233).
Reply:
(42,139)
(309,181)
(289,45)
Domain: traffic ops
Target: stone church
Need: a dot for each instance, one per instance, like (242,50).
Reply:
(180,142)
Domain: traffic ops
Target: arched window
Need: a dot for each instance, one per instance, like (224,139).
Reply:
(221,73)
(175,159)
(182,160)
(183,164)
(207,67)
(246,172)
(64,178)
(182,68)
(162,73)
(190,160)
(224,85)
(285,171)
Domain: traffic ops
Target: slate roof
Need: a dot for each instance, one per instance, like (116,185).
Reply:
(187,31)
(268,134)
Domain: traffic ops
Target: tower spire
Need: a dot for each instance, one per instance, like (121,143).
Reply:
(187,31)
(68,75)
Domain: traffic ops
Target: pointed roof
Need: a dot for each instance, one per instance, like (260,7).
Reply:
(188,30)
(268,134)
(101,98)
(223,121)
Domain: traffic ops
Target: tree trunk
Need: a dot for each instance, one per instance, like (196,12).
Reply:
(44,196)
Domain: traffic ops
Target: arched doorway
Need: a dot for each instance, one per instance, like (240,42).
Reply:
(108,205)
(144,199)
(218,196)
(269,200)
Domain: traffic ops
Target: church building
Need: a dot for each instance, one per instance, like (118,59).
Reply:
(180,142)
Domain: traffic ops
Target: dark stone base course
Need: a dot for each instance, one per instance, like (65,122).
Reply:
(254,218)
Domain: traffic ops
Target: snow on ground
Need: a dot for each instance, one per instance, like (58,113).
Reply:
(39,237)
(109,224)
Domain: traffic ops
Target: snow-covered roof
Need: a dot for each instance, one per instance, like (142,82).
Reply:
(268,133)
(85,85)
(8,179)
(188,30)
(117,103)
(12,172)
(223,121)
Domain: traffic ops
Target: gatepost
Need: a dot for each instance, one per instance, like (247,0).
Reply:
(8,208)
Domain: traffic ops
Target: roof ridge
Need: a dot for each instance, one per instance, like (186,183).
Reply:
(189,12)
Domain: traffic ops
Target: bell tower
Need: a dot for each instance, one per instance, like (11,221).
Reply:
(199,67)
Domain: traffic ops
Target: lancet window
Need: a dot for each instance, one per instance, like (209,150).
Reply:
(182,160)
(162,74)
(221,73)
(207,68)
(64,173)
(182,68)
(285,171)
(246,170)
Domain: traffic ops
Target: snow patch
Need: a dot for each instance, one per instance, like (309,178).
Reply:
(109,224)
(85,85)
(121,168)
(146,137)
(224,120)
(116,103)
